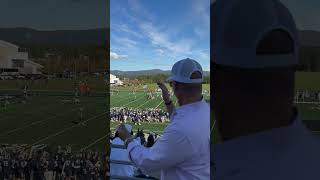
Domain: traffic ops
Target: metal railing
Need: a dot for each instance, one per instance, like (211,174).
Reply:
(112,161)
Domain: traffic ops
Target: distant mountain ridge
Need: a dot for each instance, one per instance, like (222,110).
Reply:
(31,37)
(145,72)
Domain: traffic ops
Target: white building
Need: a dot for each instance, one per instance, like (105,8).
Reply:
(15,61)
(115,81)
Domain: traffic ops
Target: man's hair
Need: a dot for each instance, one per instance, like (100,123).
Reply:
(190,89)
(196,75)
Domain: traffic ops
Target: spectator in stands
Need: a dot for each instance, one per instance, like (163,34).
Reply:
(253,76)
(122,155)
(40,164)
(150,141)
(183,151)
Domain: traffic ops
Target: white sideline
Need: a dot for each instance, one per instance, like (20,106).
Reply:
(95,142)
(132,101)
(143,103)
(33,123)
(161,101)
(128,97)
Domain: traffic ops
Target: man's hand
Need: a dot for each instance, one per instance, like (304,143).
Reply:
(127,141)
(165,92)
(166,98)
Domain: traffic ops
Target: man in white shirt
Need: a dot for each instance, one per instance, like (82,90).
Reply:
(254,80)
(183,151)
(121,155)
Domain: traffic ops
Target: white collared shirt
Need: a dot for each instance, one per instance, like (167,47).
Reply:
(183,151)
(122,155)
(288,153)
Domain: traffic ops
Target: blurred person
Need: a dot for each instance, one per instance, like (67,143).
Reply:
(150,141)
(183,151)
(254,64)
(120,154)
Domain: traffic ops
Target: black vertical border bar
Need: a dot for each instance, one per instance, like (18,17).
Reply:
(107,76)
(212,124)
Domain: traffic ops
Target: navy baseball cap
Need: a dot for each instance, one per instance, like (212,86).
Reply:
(238,27)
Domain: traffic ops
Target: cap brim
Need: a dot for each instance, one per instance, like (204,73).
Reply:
(193,81)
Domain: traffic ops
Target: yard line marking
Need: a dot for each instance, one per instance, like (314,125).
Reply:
(212,128)
(143,103)
(119,96)
(123,99)
(120,99)
(67,129)
(132,101)
(94,142)
(159,104)
(24,127)
(33,123)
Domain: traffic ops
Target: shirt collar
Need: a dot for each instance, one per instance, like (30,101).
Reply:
(192,104)
(185,108)
(231,155)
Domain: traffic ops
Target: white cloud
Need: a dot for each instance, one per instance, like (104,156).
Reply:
(126,29)
(140,10)
(163,40)
(201,16)
(122,41)
(160,52)
(160,37)
(166,42)
(204,55)
(114,55)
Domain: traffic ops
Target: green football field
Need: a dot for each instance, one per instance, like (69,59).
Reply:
(53,118)
(125,98)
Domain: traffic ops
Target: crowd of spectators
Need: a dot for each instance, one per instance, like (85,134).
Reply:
(124,114)
(307,96)
(20,162)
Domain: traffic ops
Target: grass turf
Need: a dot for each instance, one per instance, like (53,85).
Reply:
(125,99)
(47,120)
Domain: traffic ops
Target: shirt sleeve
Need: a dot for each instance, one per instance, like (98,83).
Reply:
(169,150)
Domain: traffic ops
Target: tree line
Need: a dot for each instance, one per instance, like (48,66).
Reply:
(95,58)
(309,59)
(155,78)
(82,58)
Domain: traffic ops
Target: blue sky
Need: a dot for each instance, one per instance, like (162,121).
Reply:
(54,14)
(154,34)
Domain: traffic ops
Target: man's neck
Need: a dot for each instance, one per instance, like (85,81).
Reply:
(264,123)
(189,100)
